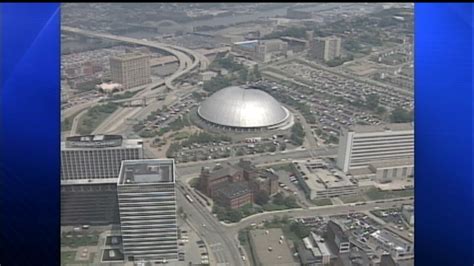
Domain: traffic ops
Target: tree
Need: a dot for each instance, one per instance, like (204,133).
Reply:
(372,101)
(256,72)
(234,215)
(380,110)
(278,199)
(299,229)
(262,198)
(272,148)
(400,115)
(290,202)
(243,75)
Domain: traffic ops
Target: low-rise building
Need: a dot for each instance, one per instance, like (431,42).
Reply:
(260,50)
(314,251)
(321,183)
(269,247)
(211,180)
(386,171)
(392,243)
(234,195)
(208,75)
(337,239)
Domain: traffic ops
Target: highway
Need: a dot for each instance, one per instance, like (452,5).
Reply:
(186,64)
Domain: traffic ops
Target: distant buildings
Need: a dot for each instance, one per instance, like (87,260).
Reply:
(130,69)
(234,186)
(147,205)
(261,50)
(208,75)
(298,14)
(96,156)
(325,49)
(386,149)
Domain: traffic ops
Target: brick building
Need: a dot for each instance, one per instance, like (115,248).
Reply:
(234,195)
(241,182)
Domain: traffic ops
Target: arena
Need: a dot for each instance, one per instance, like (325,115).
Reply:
(244,109)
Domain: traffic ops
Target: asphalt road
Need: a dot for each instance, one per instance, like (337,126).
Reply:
(187,169)
(223,246)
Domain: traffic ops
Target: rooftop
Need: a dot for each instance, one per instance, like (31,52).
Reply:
(99,141)
(234,190)
(382,128)
(268,248)
(146,171)
(390,239)
(128,56)
(322,179)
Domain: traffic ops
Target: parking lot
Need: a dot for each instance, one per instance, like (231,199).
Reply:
(334,100)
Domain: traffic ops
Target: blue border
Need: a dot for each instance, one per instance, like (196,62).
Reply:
(443,134)
(29,134)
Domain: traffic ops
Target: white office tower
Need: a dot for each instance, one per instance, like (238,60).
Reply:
(147,207)
(362,146)
(96,157)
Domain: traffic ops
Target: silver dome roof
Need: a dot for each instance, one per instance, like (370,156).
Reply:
(242,107)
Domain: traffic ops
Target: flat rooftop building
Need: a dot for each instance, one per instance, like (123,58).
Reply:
(96,157)
(322,183)
(360,146)
(130,69)
(147,206)
(270,247)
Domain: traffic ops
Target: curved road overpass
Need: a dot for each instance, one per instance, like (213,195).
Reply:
(186,63)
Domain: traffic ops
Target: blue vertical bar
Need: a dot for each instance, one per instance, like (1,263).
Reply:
(443,144)
(29,134)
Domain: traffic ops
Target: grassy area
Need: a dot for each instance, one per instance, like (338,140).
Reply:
(377,194)
(66,124)
(181,135)
(78,240)
(352,199)
(194,182)
(68,258)
(282,167)
(94,117)
(322,202)
(274,207)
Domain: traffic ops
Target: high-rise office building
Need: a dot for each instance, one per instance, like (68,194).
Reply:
(130,69)
(147,207)
(96,156)
(326,49)
(361,146)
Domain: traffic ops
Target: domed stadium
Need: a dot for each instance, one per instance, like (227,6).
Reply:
(244,109)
